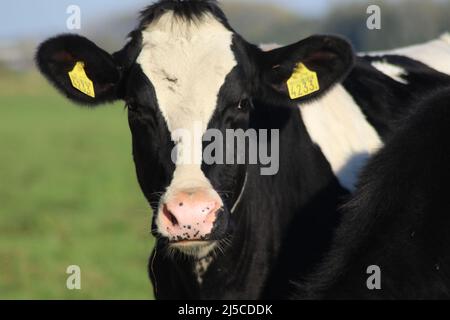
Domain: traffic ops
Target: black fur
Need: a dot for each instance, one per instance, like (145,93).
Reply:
(399,219)
(328,56)
(191,11)
(56,57)
(385,101)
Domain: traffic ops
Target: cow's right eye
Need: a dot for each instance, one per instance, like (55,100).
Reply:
(245,105)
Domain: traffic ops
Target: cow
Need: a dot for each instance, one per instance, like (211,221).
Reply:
(226,231)
(397,223)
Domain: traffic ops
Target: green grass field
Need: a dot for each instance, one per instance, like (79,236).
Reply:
(68,196)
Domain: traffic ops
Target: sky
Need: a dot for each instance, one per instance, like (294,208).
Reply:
(23,18)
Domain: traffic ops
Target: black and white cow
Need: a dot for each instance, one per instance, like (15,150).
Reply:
(378,92)
(399,219)
(247,235)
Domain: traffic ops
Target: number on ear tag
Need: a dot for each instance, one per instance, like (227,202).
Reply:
(81,81)
(303,82)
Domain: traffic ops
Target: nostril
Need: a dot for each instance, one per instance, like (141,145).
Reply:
(170,216)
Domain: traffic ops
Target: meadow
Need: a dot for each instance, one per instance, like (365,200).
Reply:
(68,196)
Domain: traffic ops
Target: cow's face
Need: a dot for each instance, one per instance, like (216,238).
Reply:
(186,81)
(181,78)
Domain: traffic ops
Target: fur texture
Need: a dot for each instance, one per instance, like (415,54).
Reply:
(398,219)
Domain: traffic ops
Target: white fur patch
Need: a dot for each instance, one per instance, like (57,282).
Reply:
(435,54)
(337,125)
(187,63)
(201,267)
(391,70)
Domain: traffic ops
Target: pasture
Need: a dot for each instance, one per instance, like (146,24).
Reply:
(68,196)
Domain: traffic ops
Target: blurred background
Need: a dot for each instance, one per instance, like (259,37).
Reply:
(68,192)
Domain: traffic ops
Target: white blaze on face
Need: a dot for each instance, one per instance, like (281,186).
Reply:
(187,62)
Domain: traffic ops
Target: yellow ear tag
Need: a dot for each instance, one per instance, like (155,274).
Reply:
(81,81)
(303,82)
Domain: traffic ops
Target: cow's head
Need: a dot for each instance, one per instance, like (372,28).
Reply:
(185,70)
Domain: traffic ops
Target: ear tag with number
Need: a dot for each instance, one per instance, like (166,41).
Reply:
(303,82)
(81,81)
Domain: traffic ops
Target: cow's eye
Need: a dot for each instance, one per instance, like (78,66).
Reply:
(244,105)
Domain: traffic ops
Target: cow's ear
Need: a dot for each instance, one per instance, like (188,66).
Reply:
(304,70)
(82,71)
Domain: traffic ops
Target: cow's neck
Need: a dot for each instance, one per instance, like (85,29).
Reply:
(351,122)
(345,136)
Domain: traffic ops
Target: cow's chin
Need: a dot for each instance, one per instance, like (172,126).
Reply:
(196,249)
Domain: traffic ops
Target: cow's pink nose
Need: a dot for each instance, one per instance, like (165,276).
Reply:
(189,216)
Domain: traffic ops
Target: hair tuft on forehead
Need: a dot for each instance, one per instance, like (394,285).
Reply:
(188,10)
